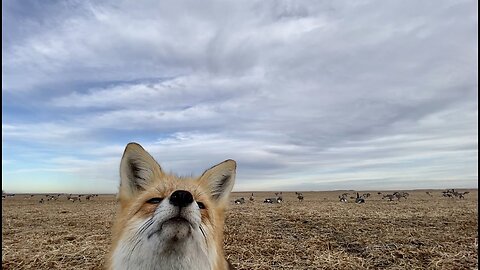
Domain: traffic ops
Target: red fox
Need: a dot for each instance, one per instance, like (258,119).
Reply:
(168,222)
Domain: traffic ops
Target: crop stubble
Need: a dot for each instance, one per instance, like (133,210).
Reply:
(421,232)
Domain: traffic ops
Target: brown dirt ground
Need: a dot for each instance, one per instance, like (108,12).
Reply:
(421,232)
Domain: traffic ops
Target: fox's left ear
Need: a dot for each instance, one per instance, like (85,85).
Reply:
(219,180)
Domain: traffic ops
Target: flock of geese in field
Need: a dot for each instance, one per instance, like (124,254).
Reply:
(359,199)
(54,197)
(278,198)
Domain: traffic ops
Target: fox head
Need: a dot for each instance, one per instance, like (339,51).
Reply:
(169,222)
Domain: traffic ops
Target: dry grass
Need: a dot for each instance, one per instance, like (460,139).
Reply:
(318,233)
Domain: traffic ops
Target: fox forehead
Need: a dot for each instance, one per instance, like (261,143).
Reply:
(166,187)
(166,184)
(137,208)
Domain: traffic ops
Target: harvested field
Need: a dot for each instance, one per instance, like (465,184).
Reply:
(420,232)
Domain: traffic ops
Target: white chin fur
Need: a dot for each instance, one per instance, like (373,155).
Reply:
(166,244)
(175,230)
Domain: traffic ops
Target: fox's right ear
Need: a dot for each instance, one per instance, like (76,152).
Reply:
(219,180)
(137,170)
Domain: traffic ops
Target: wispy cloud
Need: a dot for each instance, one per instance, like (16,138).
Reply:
(371,94)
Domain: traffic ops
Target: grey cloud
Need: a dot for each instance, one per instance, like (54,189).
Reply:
(288,88)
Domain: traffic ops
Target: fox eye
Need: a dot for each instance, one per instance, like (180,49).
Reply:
(201,205)
(155,200)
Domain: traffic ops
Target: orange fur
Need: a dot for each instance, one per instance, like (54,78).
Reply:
(133,206)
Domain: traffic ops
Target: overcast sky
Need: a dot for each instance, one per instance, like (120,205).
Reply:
(304,95)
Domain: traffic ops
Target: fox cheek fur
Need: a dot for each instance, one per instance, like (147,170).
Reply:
(168,222)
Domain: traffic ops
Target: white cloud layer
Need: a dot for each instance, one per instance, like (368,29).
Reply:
(304,95)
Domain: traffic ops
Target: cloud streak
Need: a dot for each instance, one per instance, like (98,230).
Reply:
(303,95)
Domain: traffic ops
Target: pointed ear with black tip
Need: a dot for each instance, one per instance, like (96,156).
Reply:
(219,180)
(138,169)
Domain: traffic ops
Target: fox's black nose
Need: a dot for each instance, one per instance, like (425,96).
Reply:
(181,198)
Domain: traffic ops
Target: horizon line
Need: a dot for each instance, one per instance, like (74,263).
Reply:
(258,191)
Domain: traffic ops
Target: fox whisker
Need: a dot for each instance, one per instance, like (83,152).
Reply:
(203,231)
(138,234)
(143,228)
